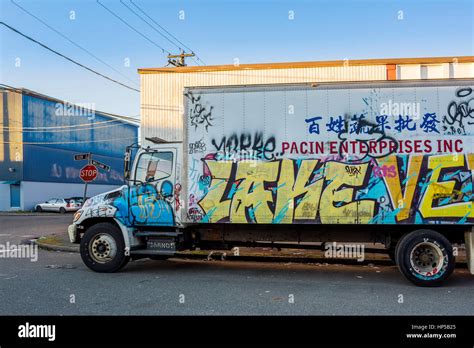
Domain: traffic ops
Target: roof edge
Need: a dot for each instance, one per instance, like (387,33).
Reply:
(25,91)
(309,64)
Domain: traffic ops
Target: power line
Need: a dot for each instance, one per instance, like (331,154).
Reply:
(67,58)
(131,27)
(151,26)
(159,32)
(91,127)
(174,37)
(64,126)
(66,142)
(71,41)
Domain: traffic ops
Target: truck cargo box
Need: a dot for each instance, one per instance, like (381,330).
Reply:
(354,153)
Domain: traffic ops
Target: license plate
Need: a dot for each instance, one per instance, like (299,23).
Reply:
(161,244)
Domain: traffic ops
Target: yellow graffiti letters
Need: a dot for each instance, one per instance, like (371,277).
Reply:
(289,189)
(342,177)
(435,187)
(402,201)
(251,193)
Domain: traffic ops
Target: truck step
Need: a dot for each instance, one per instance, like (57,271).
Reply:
(156,234)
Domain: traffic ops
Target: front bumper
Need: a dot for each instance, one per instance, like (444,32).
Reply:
(72,232)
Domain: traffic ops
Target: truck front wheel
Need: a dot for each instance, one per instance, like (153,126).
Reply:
(425,257)
(103,248)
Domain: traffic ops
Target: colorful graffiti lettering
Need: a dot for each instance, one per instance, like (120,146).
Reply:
(287,190)
(362,156)
(143,204)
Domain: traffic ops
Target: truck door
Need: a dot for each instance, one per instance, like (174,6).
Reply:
(152,192)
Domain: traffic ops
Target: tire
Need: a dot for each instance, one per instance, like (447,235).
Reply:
(38,209)
(103,248)
(425,257)
(62,210)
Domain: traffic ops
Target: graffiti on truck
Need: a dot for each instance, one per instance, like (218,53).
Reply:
(368,167)
(460,112)
(145,204)
(417,188)
(199,114)
(245,146)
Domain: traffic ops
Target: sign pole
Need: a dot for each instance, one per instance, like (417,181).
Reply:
(85,186)
(89,171)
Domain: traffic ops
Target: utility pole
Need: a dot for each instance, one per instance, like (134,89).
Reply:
(179,59)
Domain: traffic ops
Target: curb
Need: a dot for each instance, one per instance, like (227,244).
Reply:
(51,247)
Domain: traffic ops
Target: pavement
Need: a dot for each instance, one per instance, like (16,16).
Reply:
(25,226)
(58,283)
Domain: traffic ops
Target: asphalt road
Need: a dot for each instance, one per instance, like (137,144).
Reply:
(58,283)
(18,227)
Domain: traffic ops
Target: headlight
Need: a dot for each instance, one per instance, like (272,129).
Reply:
(77,216)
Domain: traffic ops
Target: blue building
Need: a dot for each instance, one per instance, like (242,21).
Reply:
(39,137)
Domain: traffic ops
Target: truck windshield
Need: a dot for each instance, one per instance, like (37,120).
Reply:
(153,166)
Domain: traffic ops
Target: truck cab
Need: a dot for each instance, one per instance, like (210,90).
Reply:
(139,219)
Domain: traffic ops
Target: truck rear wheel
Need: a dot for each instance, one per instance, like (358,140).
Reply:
(103,248)
(425,257)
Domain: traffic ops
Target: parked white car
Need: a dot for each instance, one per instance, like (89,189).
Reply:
(61,205)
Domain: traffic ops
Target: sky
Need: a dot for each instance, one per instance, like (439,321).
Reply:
(218,31)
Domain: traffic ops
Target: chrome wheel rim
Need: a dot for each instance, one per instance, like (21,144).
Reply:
(103,248)
(427,258)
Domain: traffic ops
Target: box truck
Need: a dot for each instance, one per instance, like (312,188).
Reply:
(292,165)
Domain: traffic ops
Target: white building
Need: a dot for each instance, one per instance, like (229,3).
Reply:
(161,99)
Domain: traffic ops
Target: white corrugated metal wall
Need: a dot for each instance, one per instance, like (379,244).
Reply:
(435,71)
(161,99)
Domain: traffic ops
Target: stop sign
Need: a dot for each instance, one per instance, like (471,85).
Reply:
(88,173)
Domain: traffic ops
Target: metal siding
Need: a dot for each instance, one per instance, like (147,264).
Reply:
(95,132)
(462,70)
(11,151)
(161,99)
(430,71)
(4,196)
(49,152)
